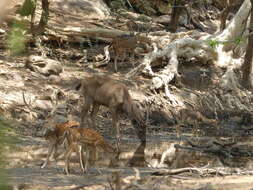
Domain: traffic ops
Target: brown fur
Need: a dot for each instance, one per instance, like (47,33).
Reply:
(56,136)
(89,139)
(101,90)
(122,45)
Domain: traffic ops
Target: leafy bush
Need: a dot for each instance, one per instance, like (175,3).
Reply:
(27,8)
(5,140)
(16,38)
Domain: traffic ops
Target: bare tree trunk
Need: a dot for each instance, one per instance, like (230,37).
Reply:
(236,27)
(43,19)
(33,17)
(247,65)
(108,3)
(176,11)
(223,17)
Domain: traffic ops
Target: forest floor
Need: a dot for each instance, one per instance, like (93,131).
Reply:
(25,159)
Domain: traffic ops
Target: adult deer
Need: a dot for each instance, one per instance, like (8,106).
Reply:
(122,45)
(102,90)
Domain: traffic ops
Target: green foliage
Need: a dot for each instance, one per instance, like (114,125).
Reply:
(16,38)
(238,40)
(169,5)
(5,140)
(213,43)
(27,8)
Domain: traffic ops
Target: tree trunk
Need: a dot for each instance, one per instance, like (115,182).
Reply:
(176,11)
(43,19)
(108,3)
(235,30)
(236,27)
(247,65)
(223,17)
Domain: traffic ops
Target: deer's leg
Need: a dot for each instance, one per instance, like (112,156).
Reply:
(55,151)
(132,58)
(115,125)
(80,152)
(50,151)
(115,63)
(86,108)
(123,57)
(141,132)
(87,156)
(67,155)
(65,143)
(94,157)
(94,112)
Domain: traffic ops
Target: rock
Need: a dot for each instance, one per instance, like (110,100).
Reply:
(60,118)
(2,31)
(98,58)
(43,104)
(54,79)
(43,65)
(92,9)
(164,19)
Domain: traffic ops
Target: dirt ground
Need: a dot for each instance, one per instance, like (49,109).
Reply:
(24,169)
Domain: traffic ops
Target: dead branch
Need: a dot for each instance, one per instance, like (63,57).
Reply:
(187,48)
(224,145)
(200,171)
(105,61)
(28,106)
(210,150)
(198,146)
(94,33)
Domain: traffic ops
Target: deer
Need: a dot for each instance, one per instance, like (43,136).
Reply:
(123,44)
(54,132)
(102,90)
(56,137)
(88,139)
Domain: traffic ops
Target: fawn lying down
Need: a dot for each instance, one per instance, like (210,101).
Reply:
(102,90)
(56,137)
(88,139)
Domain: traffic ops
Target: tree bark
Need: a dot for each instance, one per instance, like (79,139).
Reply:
(176,11)
(43,19)
(236,27)
(247,65)
(234,30)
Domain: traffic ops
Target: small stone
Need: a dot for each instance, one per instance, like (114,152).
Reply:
(2,31)
(44,104)
(54,79)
